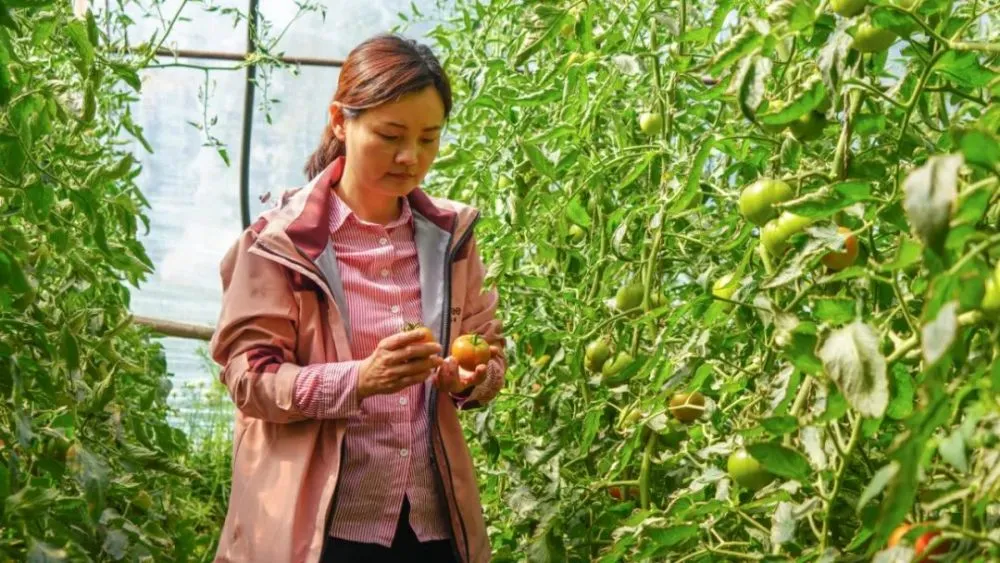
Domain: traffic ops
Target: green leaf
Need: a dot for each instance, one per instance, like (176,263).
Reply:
(538,160)
(740,46)
(5,83)
(899,22)
(6,19)
(77,32)
(867,124)
(692,186)
(964,68)
(981,148)
(909,253)
(591,424)
(70,351)
(577,213)
(674,535)
(801,353)
(781,461)
(878,483)
(835,311)
(780,425)
(812,94)
(796,14)
(901,405)
(851,358)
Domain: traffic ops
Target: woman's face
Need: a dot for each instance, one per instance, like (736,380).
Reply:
(391,147)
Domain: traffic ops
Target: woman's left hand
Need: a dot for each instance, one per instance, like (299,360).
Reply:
(452,378)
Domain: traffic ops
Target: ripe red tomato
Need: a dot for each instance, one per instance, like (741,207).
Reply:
(470,350)
(687,407)
(921,544)
(838,260)
(616,492)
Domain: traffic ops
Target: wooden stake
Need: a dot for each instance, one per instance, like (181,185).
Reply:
(173,328)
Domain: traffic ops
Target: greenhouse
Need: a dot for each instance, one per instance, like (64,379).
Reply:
(318,281)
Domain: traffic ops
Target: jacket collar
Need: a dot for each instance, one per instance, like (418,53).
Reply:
(341,213)
(299,229)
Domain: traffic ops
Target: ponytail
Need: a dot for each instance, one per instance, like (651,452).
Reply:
(329,149)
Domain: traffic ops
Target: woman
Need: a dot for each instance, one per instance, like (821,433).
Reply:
(347,444)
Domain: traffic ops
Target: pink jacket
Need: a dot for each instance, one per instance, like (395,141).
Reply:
(281,310)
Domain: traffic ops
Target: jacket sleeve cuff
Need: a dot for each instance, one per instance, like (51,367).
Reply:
(478,395)
(325,391)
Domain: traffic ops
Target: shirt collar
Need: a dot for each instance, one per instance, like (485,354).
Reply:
(340,213)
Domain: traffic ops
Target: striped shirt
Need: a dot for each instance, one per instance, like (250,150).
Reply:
(387,439)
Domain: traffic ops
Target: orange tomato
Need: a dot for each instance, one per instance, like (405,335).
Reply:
(837,261)
(470,350)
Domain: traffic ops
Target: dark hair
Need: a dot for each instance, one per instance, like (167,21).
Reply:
(379,70)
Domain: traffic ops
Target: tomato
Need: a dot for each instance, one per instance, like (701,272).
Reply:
(651,123)
(725,287)
(471,350)
(898,533)
(757,200)
(775,234)
(428,335)
(921,543)
(576,234)
(629,296)
(687,407)
(611,370)
(808,127)
(747,471)
(616,492)
(871,39)
(991,298)
(848,8)
(504,182)
(838,260)
(596,353)
(657,300)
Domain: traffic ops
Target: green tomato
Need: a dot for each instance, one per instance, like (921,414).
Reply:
(991,298)
(808,127)
(596,354)
(871,39)
(629,297)
(576,234)
(775,234)
(774,107)
(848,8)
(651,123)
(504,182)
(747,471)
(612,370)
(757,200)
(725,287)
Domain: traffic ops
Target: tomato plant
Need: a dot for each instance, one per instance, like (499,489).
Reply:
(867,393)
(90,468)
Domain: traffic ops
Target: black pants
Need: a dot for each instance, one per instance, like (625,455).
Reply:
(405,547)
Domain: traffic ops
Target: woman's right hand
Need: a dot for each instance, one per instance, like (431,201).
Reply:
(398,361)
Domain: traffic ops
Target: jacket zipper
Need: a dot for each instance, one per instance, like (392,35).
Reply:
(445,337)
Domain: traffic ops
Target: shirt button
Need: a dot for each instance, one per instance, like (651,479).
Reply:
(395,308)
(404,452)
(385,273)
(383,241)
(403,401)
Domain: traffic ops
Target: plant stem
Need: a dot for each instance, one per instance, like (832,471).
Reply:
(647,454)
(838,481)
